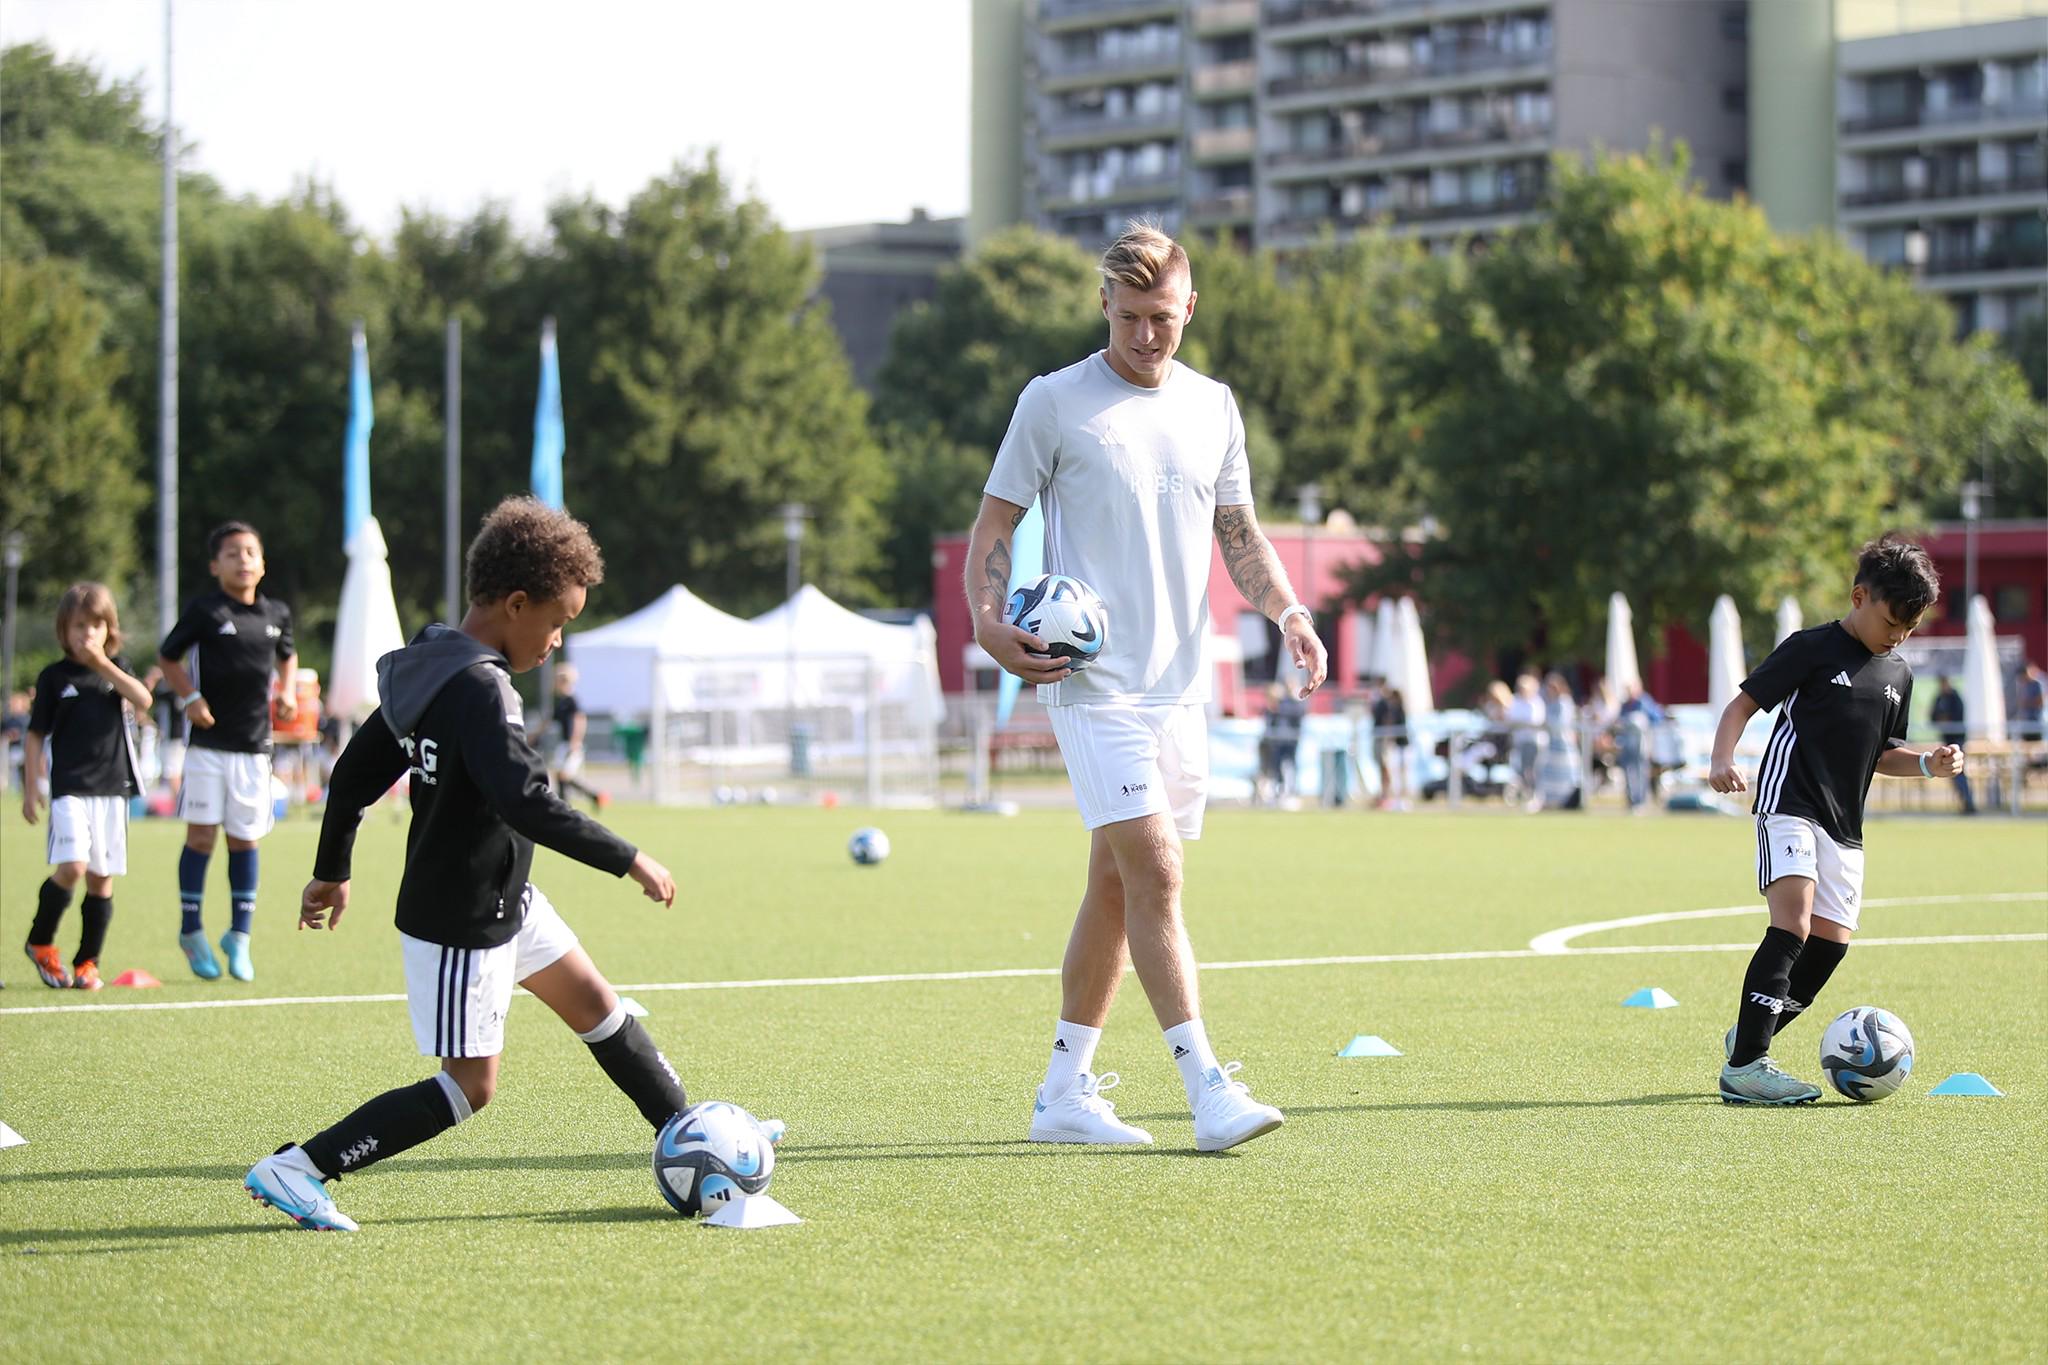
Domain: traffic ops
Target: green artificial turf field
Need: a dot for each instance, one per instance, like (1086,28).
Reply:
(1544,1175)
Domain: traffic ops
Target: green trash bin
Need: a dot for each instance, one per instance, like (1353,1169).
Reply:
(633,740)
(1336,776)
(799,751)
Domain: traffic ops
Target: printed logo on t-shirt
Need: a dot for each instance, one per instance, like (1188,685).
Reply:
(1893,694)
(228,628)
(70,690)
(1842,679)
(273,631)
(1135,788)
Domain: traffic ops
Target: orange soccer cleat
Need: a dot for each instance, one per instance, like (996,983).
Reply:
(85,976)
(49,964)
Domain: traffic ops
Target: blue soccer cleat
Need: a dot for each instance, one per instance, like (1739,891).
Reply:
(199,953)
(236,946)
(289,1183)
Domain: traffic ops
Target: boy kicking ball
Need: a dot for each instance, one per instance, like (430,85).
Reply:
(470,923)
(1845,698)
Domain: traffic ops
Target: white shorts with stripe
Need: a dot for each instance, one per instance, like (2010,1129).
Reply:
(227,789)
(1128,761)
(1793,846)
(459,996)
(92,830)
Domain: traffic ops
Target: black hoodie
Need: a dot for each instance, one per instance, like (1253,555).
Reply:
(480,794)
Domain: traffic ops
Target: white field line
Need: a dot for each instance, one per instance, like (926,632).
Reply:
(1559,940)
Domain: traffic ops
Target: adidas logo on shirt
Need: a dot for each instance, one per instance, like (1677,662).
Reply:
(1842,678)
(228,628)
(70,690)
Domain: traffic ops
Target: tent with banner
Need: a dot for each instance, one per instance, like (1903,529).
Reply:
(827,638)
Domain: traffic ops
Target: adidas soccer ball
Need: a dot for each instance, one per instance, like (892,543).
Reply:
(1066,614)
(1867,1053)
(868,846)
(709,1155)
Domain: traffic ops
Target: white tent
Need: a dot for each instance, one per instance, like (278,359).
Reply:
(366,628)
(1983,682)
(1623,672)
(1790,620)
(1418,699)
(678,638)
(826,641)
(1725,668)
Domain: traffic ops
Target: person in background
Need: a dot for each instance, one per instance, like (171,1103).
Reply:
(1280,742)
(1639,718)
(1947,716)
(1559,779)
(567,766)
(2032,700)
(1390,747)
(1525,725)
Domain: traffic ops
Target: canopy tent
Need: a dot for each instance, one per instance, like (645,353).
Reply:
(671,639)
(824,636)
(1790,620)
(1412,677)
(1983,682)
(365,629)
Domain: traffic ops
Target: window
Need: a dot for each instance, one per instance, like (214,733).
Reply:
(1735,23)
(1735,99)
(1735,174)
(2009,603)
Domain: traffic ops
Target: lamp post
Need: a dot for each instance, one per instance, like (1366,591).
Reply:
(11,555)
(793,517)
(1973,507)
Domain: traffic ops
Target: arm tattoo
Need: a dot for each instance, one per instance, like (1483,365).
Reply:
(1250,560)
(994,589)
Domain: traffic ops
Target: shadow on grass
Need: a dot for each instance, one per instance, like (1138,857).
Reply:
(568,1161)
(1469,1106)
(809,1153)
(34,1240)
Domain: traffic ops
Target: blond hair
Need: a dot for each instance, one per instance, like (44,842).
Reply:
(92,602)
(1144,258)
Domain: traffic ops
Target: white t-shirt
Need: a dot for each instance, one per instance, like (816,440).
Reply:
(1130,479)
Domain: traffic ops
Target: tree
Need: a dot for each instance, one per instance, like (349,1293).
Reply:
(1649,391)
(67,446)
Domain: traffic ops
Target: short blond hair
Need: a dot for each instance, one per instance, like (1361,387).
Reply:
(1143,257)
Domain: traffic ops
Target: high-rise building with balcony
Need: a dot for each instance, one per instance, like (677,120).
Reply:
(1941,164)
(1275,121)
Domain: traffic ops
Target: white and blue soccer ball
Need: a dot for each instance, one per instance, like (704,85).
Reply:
(709,1155)
(1867,1053)
(1066,614)
(868,846)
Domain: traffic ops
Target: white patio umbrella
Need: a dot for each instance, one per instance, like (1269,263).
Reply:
(365,629)
(1386,638)
(1623,672)
(1725,668)
(1790,621)
(1983,683)
(1417,697)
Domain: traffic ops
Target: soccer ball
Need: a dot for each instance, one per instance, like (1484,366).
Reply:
(868,846)
(709,1155)
(1867,1053)
(1066,614)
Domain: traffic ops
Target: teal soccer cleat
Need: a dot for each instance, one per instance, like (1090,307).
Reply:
(289,1183)
(236,946)
(199,953)
(1761,1082)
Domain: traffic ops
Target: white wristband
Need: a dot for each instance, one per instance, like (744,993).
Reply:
(1286,615)
(1925,771)
(188,699)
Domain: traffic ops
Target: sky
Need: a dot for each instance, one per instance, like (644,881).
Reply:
(830,112)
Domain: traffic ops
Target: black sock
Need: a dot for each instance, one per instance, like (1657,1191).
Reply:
(392,1123)
(637,1067)
(97,912)
(51,902)
(1764,988)
(1817,962)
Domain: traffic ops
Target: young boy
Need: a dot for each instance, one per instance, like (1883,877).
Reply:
(470,924)
(1846,696)
(568,755)
(238,637)
(81,714)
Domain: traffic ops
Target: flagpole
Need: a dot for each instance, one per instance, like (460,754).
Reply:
(167,372)
(451,511)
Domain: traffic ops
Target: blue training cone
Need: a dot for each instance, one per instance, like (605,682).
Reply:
(1369,1045)
(1966,1083)
(1651,998)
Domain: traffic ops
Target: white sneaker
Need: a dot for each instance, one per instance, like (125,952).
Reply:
(288,1183)
(1082,1115)
(1226,1114)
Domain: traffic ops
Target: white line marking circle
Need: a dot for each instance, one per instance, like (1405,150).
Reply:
(1559,940)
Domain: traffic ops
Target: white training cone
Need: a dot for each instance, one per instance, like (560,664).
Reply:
(10,1138)
(633,1007)
(753,1211)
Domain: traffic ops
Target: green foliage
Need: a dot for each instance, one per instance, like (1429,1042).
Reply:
(1649,391)
(67,447)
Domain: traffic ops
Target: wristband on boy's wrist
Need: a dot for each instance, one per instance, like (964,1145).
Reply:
(1925,771)
(188,699)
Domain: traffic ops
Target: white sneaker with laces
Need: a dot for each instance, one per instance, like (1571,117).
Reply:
(288,1182)
(1226,1114)
(1082,1115)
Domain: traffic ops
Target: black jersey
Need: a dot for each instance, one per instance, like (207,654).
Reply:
(567,708)
(86,725)
(1843,708)
(239,645)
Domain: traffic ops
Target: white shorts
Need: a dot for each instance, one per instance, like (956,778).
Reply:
(1793,846)
(568,760)
(1127,762)
(92,830)
(459,996)
(227,789)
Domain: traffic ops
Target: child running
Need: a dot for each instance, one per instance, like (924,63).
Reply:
(471,925)
(82,720)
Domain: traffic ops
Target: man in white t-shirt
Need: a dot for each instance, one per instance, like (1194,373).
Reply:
(1138,462)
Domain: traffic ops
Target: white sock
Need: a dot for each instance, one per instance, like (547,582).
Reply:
(458,1103)
(609,1025)
(1189,1043)
(1073,1052)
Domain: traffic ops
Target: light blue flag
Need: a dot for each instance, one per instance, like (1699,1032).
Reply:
(1027,561)
(548,435)
(355,463)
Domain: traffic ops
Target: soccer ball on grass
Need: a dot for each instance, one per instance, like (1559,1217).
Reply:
(868,846)
(709,1155)
(1867,1053)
